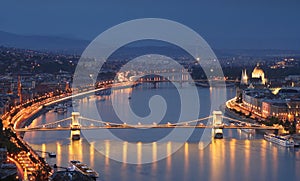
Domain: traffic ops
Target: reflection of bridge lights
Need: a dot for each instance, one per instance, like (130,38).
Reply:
(139,152)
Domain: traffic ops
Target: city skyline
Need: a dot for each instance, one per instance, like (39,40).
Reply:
(149,90)
(232,25)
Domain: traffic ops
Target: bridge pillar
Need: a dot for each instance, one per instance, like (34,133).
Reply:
(217,124)
(75,126)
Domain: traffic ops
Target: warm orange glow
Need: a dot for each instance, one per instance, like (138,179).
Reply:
(154,152)
(247,157)
(71,155)
(275,160)
(139,152)
(92,154)
(58,150)
(186,157)
(125,148)
(78,147)
(154,156)
(43,150)
(107,149)
(232,150)
(263,155)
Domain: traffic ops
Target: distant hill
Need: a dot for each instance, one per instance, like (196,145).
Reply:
(76,46)
(45,43)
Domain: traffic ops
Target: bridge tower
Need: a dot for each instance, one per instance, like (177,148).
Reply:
(75,126)
(217,124)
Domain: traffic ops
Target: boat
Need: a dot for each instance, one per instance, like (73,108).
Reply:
(218,134)
(52,154)
(60,108)
(84,169)
(280,140)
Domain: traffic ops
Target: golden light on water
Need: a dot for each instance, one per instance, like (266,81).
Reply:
(201,153)
(232,149)
(92,153)
(275,159)
(107,149)
(263,155)
(59,153)
(125,148)
(169,157)
(216,159)
(186,157)
(247,157)
(43,150)
(71,154)
(139,153)
(154,156)
(154,151)
(78,147)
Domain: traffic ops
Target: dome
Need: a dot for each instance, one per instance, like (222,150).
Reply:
(258,72)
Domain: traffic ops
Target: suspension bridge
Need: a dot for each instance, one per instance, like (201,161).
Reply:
(75,123)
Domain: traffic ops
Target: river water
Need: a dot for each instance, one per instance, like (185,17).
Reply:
(239,156)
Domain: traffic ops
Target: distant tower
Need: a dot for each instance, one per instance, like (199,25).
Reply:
(244,77)
(20,89)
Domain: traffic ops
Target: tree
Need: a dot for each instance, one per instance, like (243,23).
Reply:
(274,120)
(292,128)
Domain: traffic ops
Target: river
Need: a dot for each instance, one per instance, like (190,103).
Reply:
(239,156)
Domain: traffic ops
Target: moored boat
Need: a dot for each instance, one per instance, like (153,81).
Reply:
(84,169)
(52,154)
(280,140)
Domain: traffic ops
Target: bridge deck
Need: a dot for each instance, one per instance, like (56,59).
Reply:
(147,127)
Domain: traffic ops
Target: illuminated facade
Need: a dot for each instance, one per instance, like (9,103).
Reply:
(244,77)
(285,105)
(258,73)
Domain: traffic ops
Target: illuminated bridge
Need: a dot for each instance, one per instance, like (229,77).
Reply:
(76,122)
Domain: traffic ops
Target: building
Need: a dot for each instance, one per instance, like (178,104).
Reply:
(244,77)
(257,78)
(258,99)
(3,155)
(285,105)
(259,75)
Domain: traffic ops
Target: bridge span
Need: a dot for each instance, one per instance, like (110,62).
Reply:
(76,122)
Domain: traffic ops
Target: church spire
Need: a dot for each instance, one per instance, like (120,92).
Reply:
(244,77)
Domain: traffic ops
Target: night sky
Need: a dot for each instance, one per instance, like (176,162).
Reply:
(256,24)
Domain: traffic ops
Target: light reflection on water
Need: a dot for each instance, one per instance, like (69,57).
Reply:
(237,157)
